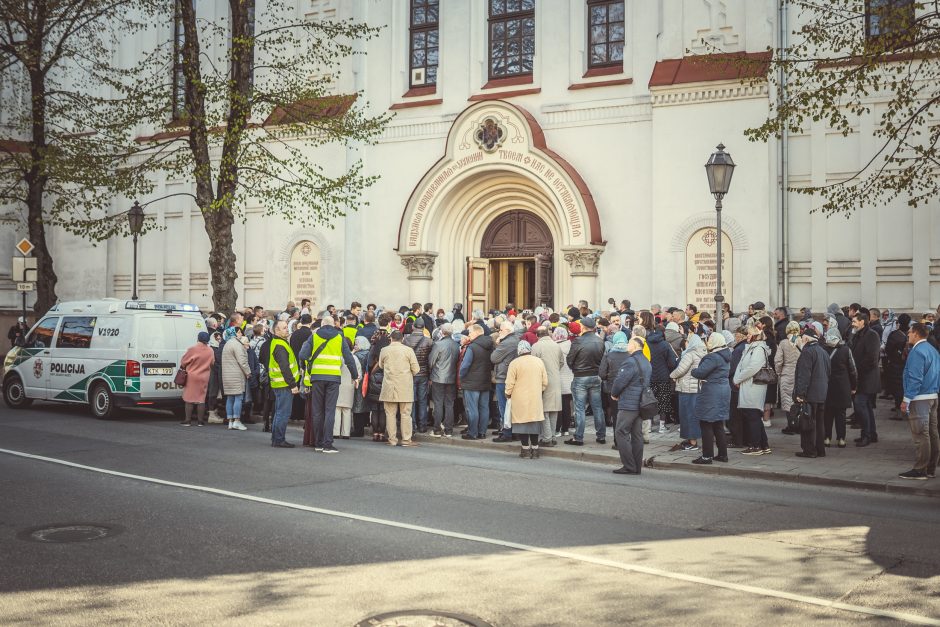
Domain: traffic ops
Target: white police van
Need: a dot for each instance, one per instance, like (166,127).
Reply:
(107,353)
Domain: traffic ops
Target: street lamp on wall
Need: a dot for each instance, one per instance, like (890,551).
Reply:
(135,219)
(719,169)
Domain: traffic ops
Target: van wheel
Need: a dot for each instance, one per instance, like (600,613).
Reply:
(101,402)
(14,393)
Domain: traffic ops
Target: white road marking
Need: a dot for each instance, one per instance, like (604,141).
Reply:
(587,559)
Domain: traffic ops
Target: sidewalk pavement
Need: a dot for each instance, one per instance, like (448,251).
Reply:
(874,467)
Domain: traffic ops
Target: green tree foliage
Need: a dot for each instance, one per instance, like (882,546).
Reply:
(253,116)
(853,58)
(63,129)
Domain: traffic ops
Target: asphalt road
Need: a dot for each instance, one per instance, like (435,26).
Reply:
(240,533)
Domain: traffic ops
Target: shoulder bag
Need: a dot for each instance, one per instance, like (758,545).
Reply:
(766,375)
(649,406)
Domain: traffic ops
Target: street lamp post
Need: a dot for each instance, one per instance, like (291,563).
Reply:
(135,219)
(719,169)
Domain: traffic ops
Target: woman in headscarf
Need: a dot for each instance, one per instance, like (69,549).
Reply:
(687,388)
(713,403)
(843,378)
(610,366)
(889,322)
(566,377)
(788,352)
(197,361)
(526,379)
(895,344)
(361,406)
(751,395)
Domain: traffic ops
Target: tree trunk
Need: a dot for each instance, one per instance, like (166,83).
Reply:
(36,176)
(219,223)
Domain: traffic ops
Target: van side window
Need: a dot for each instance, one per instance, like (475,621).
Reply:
(41,337)
(76,332)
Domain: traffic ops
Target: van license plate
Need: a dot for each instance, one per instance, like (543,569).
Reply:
(158,371)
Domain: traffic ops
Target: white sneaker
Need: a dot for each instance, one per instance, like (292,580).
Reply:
(237,424)
(662,428)
(213,418)
(230,425)
(767,424)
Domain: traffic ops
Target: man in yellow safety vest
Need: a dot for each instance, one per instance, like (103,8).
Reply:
(284,375)
(323,356)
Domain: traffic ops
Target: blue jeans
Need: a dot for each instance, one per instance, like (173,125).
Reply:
(501,404)
(283,401)
(865,410)
(584,389)
(689,426)
(476,404)
(419,411)
(233,406)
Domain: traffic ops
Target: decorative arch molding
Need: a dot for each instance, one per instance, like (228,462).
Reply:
(499,138)
(688,227)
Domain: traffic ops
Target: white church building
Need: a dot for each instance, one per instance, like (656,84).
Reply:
(542,152)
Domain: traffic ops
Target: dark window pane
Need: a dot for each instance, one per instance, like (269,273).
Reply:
(497,7)
(616,32)
(499,30)
(41,337)
(417,58)
(512,28)
(76,332)
(432,56)
(528,27)
(528,5)
(432,13)
(513,6)
(598,15)
(616,52)
(432,37)
(598,54)
(431,75)
(418,39)
(615,12)
(598,34)
(417,17)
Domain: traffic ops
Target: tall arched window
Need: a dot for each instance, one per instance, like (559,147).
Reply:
(424,45)
(512,37)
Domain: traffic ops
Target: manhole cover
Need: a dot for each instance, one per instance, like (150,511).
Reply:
(422,618)
(72,532)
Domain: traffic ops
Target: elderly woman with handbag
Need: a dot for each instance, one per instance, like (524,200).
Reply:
(752,392)
(193,377)
(713,402)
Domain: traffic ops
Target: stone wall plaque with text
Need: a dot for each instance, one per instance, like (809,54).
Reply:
(305,278)
(701,272)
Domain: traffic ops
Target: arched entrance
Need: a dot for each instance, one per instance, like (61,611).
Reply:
(519,248)
(483,201)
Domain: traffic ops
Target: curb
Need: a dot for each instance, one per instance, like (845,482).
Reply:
(714,469)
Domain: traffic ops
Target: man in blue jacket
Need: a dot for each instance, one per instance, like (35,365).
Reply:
(627,390)
(921,386)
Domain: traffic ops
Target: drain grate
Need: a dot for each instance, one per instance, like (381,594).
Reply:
(422,618)
(69,532)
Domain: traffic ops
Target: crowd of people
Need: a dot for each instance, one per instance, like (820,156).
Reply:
(534,376)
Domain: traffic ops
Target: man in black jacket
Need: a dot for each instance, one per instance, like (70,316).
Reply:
(421,345)
(584,359)
(811,386)
(866,349)
(476,370)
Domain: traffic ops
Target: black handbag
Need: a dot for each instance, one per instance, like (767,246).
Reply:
(766,375)
(800,417)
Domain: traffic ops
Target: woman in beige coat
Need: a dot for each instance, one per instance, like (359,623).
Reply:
(526,379)
(235,371)
(785,364)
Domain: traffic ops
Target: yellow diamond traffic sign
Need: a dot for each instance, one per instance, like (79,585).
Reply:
(25,246)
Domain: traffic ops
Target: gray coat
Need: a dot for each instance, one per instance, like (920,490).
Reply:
(443,360)
(503,355)
(554,359)
(235,368)
(750,394)
(685,382)
(785,365)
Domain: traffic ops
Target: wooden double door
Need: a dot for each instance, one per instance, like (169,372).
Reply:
(515,264)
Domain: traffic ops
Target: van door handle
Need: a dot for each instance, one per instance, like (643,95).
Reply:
(45,352)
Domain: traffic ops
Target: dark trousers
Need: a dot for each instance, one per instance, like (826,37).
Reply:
(324,395)
(713,432)
(629,437)
(564,420)
(378,421)
(812,440)
(736,421)
(837,415)
(865,412)
(419,411)
(268,407)
(444,395)
(754,432)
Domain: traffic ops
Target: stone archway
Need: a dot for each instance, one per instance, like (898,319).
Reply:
(483,174)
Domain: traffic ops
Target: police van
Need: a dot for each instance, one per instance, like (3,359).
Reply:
(107,353)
